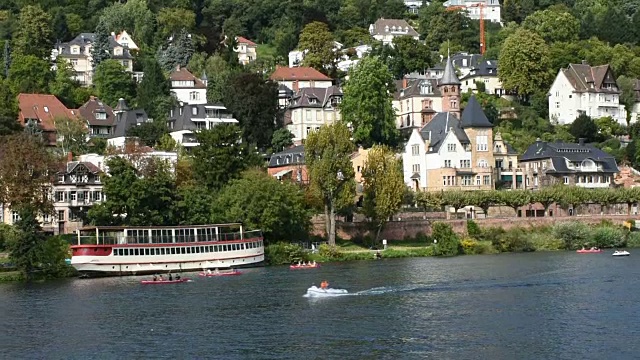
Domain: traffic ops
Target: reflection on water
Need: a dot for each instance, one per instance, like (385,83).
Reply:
(512,306)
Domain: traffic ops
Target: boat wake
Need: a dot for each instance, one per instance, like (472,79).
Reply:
(316,292)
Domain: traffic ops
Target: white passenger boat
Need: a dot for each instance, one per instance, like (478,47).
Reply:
(118,250)
(621,253)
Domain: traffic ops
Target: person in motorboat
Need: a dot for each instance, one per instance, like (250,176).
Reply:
(170,277)
(217,271)
(314,263)
(324,285)
(178,277)
(209,272)
(155,277)
(161,279)
(299,263)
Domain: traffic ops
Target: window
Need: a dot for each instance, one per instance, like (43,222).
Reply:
(465,164)
(101,116)
(308,115)
(60,196)
(415,150)
(478,180)
(60,177)
(416,167)
(308,130)
(125,63)
(566,180)
(451,147)
(483,163)
(74,62)
(447,163)
(194,111)
(486,180)
(454,104)
(482,143)
(194,95)
(467,180)
(15,217)
(60,215)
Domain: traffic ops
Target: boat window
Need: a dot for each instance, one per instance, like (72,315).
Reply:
(241,246)
(197,249)
(211,248)
(162,251)
(126,252)
(205,249)
(146,251)
(183,250)
(173,251)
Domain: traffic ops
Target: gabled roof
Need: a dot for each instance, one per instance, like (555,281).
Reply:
(305,97)
(586,78)
(414,88)
(183,115)
(449,77)
(437,129)
(483,68)
(72,165)
(86,39)
(473,116)
(386,26)
(182,74)
(301,73)
(42,107)
(472,60)
(290,156)
(242,40)
(126,118)
(559,151)
(89,109)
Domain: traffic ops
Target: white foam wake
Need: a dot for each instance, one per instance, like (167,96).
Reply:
(318,292)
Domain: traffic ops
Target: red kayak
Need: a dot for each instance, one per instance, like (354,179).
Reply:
(295,267)
(589,251)
(221,273)
(162,282)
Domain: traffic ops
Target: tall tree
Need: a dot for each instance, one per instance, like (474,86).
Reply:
(65,87)
(34,35)
(133,16)
(383,186)
(317,41)
(328,157)
(523,65)
(113,82)
(25,250)
(178,52)
(259,201)
(553,25)
(281,139)
(628,96)
(172,20)
(584,127)
(152,88)
(222,156)
(8,109)
(101,47)
(71,134)
(367,103)
(29,74)
(149,132)
(254,102)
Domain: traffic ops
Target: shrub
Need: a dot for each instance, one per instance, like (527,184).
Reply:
(606,237)
(544,241)
(472,247)
(515,240)
(473,230)
(633,239)
(329,252)
(448,243)
(573,234)
(284,253)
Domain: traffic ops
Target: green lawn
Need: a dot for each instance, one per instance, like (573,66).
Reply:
(266,50)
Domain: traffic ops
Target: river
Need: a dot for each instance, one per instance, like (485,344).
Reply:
(511,306)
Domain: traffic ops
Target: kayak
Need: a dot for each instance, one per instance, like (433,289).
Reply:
(221,273)
(304,266)
(162,282)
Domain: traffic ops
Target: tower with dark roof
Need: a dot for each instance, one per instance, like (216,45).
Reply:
(479,129)
(449,87)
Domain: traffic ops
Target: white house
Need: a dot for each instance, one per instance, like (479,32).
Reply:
(187,88)
(584,89)
(491,8)
(385,30)
(486,72)
(292,79)
(99,161)
(246,50)
(310,108)
(186,119)
(124,39)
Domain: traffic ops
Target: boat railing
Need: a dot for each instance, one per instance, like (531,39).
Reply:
(189,238)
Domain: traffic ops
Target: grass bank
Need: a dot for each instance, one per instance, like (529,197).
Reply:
(490,240)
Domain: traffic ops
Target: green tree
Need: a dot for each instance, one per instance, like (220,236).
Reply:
(447,242)
(412,55)
(25,250)
(457,199)
(523,65)
(484,200)
(222,156)
(584,127)
(8,109)
(150,133)
(317,40)
(166,143)
(194,205)
(100,48)
(259,201)
(152,89)
(517,10)
(328,157)
(177,53)
(515,199)
(133,16)
(383,186)
(34,35)
(546,196)
(628,96)
(281,139)
(173,20)
(254,102)
(65,87)
(71,134)
(553,26)
(366,105)
(113,82)
(29,74)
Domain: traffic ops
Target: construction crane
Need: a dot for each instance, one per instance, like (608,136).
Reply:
(483,44)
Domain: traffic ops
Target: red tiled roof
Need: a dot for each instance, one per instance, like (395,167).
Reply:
(182,74)
(44,108)
(242,40)
(298,73)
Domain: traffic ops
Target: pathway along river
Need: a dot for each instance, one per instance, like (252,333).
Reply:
(510,306)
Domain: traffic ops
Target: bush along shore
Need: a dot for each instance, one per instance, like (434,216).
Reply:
(444,241)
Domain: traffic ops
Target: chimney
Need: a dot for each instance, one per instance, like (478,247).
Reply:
(584,62)
(92,97)
(69,156)
(404,83)
(295,85)
(581,141)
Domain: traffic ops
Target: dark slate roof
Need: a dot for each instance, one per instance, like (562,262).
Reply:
(510,149)
(559,152)
(585,78)
(414,87)
(472,60)
(449,77)
(127,119)
(315,97)
(473,116)
(290,156)
(483,68)
(394,26)
(439,126)
(85,39)
(89,109)
(183,120)
(72,165)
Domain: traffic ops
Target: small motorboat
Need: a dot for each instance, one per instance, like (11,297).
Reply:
(315,291)
(220,273)
(589,251)
(304,266)
(621,253)
(163,282)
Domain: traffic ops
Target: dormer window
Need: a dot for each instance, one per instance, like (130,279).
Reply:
(101,116)
(61,178)
(46,109)
(386,28)
(313,101)
(194,111)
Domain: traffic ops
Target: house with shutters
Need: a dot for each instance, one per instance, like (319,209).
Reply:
(585,89)
(310,108)
(292,79)
(188,88)
(385,30)
(246,50)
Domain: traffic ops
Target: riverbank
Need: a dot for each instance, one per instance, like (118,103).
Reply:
(571,235)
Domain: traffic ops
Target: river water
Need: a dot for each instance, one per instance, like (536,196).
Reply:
(509,306)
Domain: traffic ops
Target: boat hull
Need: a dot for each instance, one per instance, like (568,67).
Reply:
(299,267)
(222,273)
(588,251)
(163,282)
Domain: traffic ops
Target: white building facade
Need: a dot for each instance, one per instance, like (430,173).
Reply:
(490,8)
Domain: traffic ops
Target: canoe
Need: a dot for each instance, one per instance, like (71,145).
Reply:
(220,273)
(304,266)
(163,282)
(588,251)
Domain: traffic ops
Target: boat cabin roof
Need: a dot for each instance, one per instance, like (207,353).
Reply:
(116,228)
